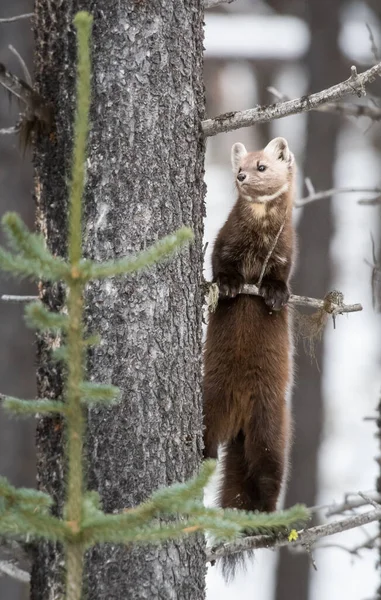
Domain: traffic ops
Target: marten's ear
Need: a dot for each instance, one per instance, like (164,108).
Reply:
(237,153)
(279,149)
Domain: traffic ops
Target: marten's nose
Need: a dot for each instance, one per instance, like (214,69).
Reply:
(241,176)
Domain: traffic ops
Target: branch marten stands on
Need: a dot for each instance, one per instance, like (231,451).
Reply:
(248,350)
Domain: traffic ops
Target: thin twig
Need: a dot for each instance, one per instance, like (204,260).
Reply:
(373,45)
(35,104)
(332,192)
(17,299)
(25,69)
(350,504)
(344,108)
(306,537)
(9,130)
(372,202)
(265,262)
(367,545)
(8,568)
(355,84)
(16,18)
(214,3)
(370,500)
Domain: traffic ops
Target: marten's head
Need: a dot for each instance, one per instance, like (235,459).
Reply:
(265,175)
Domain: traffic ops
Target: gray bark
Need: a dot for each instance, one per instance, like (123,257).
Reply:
(313,277)
(145,179)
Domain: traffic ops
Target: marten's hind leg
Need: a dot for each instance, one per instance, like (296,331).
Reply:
(237,490)
(265,459)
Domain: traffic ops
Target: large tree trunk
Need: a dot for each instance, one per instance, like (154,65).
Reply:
(325,67)
(145,179)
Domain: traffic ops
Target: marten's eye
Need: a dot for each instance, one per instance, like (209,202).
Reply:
(261,168)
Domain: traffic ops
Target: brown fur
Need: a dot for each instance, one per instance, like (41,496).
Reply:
(247,355)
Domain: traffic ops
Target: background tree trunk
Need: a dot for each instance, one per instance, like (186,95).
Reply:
(16,348)
(325,66)
(145,179)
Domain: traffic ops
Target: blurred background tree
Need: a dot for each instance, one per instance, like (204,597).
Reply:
(17,348)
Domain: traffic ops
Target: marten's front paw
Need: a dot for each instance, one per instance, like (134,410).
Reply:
(275,293)
(229,287)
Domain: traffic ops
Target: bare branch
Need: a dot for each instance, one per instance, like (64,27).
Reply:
(373,45)
(344,108)
(8,568)
(372,202)
(25,69)
(214,3)
(10,130)
(352,110)
(17,299)
(35,104)
(309,186)
(369,544)
(332,192)
(306,537)
(370,500)
(349,504)
(16,18)
(355,84)
(331,305)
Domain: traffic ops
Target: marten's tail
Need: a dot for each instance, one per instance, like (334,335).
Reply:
(250,481)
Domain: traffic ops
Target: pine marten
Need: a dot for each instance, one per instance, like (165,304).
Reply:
(248,349)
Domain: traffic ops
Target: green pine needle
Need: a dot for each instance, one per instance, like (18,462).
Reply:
(94,393)
(25,408)
(159,251)
(31,247)
(39,317)
(174,498)
(22,267)
(24,498)
(33,525)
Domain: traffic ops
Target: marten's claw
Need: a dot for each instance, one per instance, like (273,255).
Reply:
(229,288)
(275,294)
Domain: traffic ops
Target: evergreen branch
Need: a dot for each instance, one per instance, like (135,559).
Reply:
(75,348)
(22,523)
(60,354)
(31,246)
(83,24)
(32,407)
(17,265)
(39,317)
(173,498)
(355,84)
(23,497)
(161,249)
(223,524)
(94,393)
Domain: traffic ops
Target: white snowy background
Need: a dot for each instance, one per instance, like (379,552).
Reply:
(351,351)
